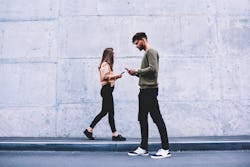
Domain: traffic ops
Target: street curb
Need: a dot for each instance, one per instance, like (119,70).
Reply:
(106,145)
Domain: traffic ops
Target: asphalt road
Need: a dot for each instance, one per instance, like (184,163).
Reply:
(120,159)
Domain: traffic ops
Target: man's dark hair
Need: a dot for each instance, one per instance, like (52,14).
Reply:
(139,36)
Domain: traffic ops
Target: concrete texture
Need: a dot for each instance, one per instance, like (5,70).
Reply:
(50,51)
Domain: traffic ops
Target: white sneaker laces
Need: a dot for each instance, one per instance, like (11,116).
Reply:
(162,152)
(139,150)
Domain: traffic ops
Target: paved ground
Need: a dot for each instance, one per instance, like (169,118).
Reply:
(120,159)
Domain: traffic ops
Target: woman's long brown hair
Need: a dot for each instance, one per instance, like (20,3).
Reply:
(108,56)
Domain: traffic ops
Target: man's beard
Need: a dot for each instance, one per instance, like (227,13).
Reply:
(142,47)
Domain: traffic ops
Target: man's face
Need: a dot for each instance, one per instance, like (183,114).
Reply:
(139,44)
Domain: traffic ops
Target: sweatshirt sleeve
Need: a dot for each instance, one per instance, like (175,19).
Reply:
(152,65)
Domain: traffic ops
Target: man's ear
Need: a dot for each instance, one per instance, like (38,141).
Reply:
(144,40)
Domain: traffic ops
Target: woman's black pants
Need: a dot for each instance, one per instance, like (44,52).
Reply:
(107,107)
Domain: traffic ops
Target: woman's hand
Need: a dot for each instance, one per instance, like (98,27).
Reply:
(118,76)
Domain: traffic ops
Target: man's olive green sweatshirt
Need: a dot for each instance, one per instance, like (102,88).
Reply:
(148,73)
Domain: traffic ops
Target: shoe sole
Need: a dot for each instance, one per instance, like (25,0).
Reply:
(160,157)
(118,140)
(134,155)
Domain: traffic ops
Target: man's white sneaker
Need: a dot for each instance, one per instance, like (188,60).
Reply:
(161,153)
(139,151)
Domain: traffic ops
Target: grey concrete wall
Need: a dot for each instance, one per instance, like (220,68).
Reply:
(50,50)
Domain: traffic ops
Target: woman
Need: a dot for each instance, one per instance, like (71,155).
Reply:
(107,79)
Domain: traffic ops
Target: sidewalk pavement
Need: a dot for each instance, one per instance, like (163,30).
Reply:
(106,144)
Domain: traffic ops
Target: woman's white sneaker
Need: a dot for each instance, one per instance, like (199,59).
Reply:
(161,153)
(139,151)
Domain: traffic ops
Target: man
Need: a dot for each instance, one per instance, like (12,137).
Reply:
(148,103)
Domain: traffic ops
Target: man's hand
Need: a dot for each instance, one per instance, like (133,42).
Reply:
(132,72)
